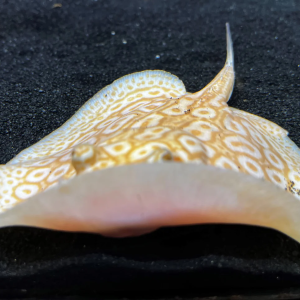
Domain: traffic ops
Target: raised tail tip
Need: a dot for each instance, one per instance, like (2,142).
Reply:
(229,59)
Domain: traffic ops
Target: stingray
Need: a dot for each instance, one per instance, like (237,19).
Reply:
(144,153)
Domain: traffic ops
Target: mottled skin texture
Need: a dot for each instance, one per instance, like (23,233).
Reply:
(149,117)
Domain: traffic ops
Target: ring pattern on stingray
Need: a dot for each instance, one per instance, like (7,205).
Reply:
(149,117)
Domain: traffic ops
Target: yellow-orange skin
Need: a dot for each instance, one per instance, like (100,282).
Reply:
(149,117)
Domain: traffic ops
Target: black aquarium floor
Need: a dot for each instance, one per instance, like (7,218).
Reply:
(53,59)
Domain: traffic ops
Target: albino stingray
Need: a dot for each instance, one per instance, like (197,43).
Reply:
(143,153)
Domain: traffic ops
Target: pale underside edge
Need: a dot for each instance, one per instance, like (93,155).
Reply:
(134,199)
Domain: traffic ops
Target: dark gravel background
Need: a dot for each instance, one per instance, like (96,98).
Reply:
(54,59)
